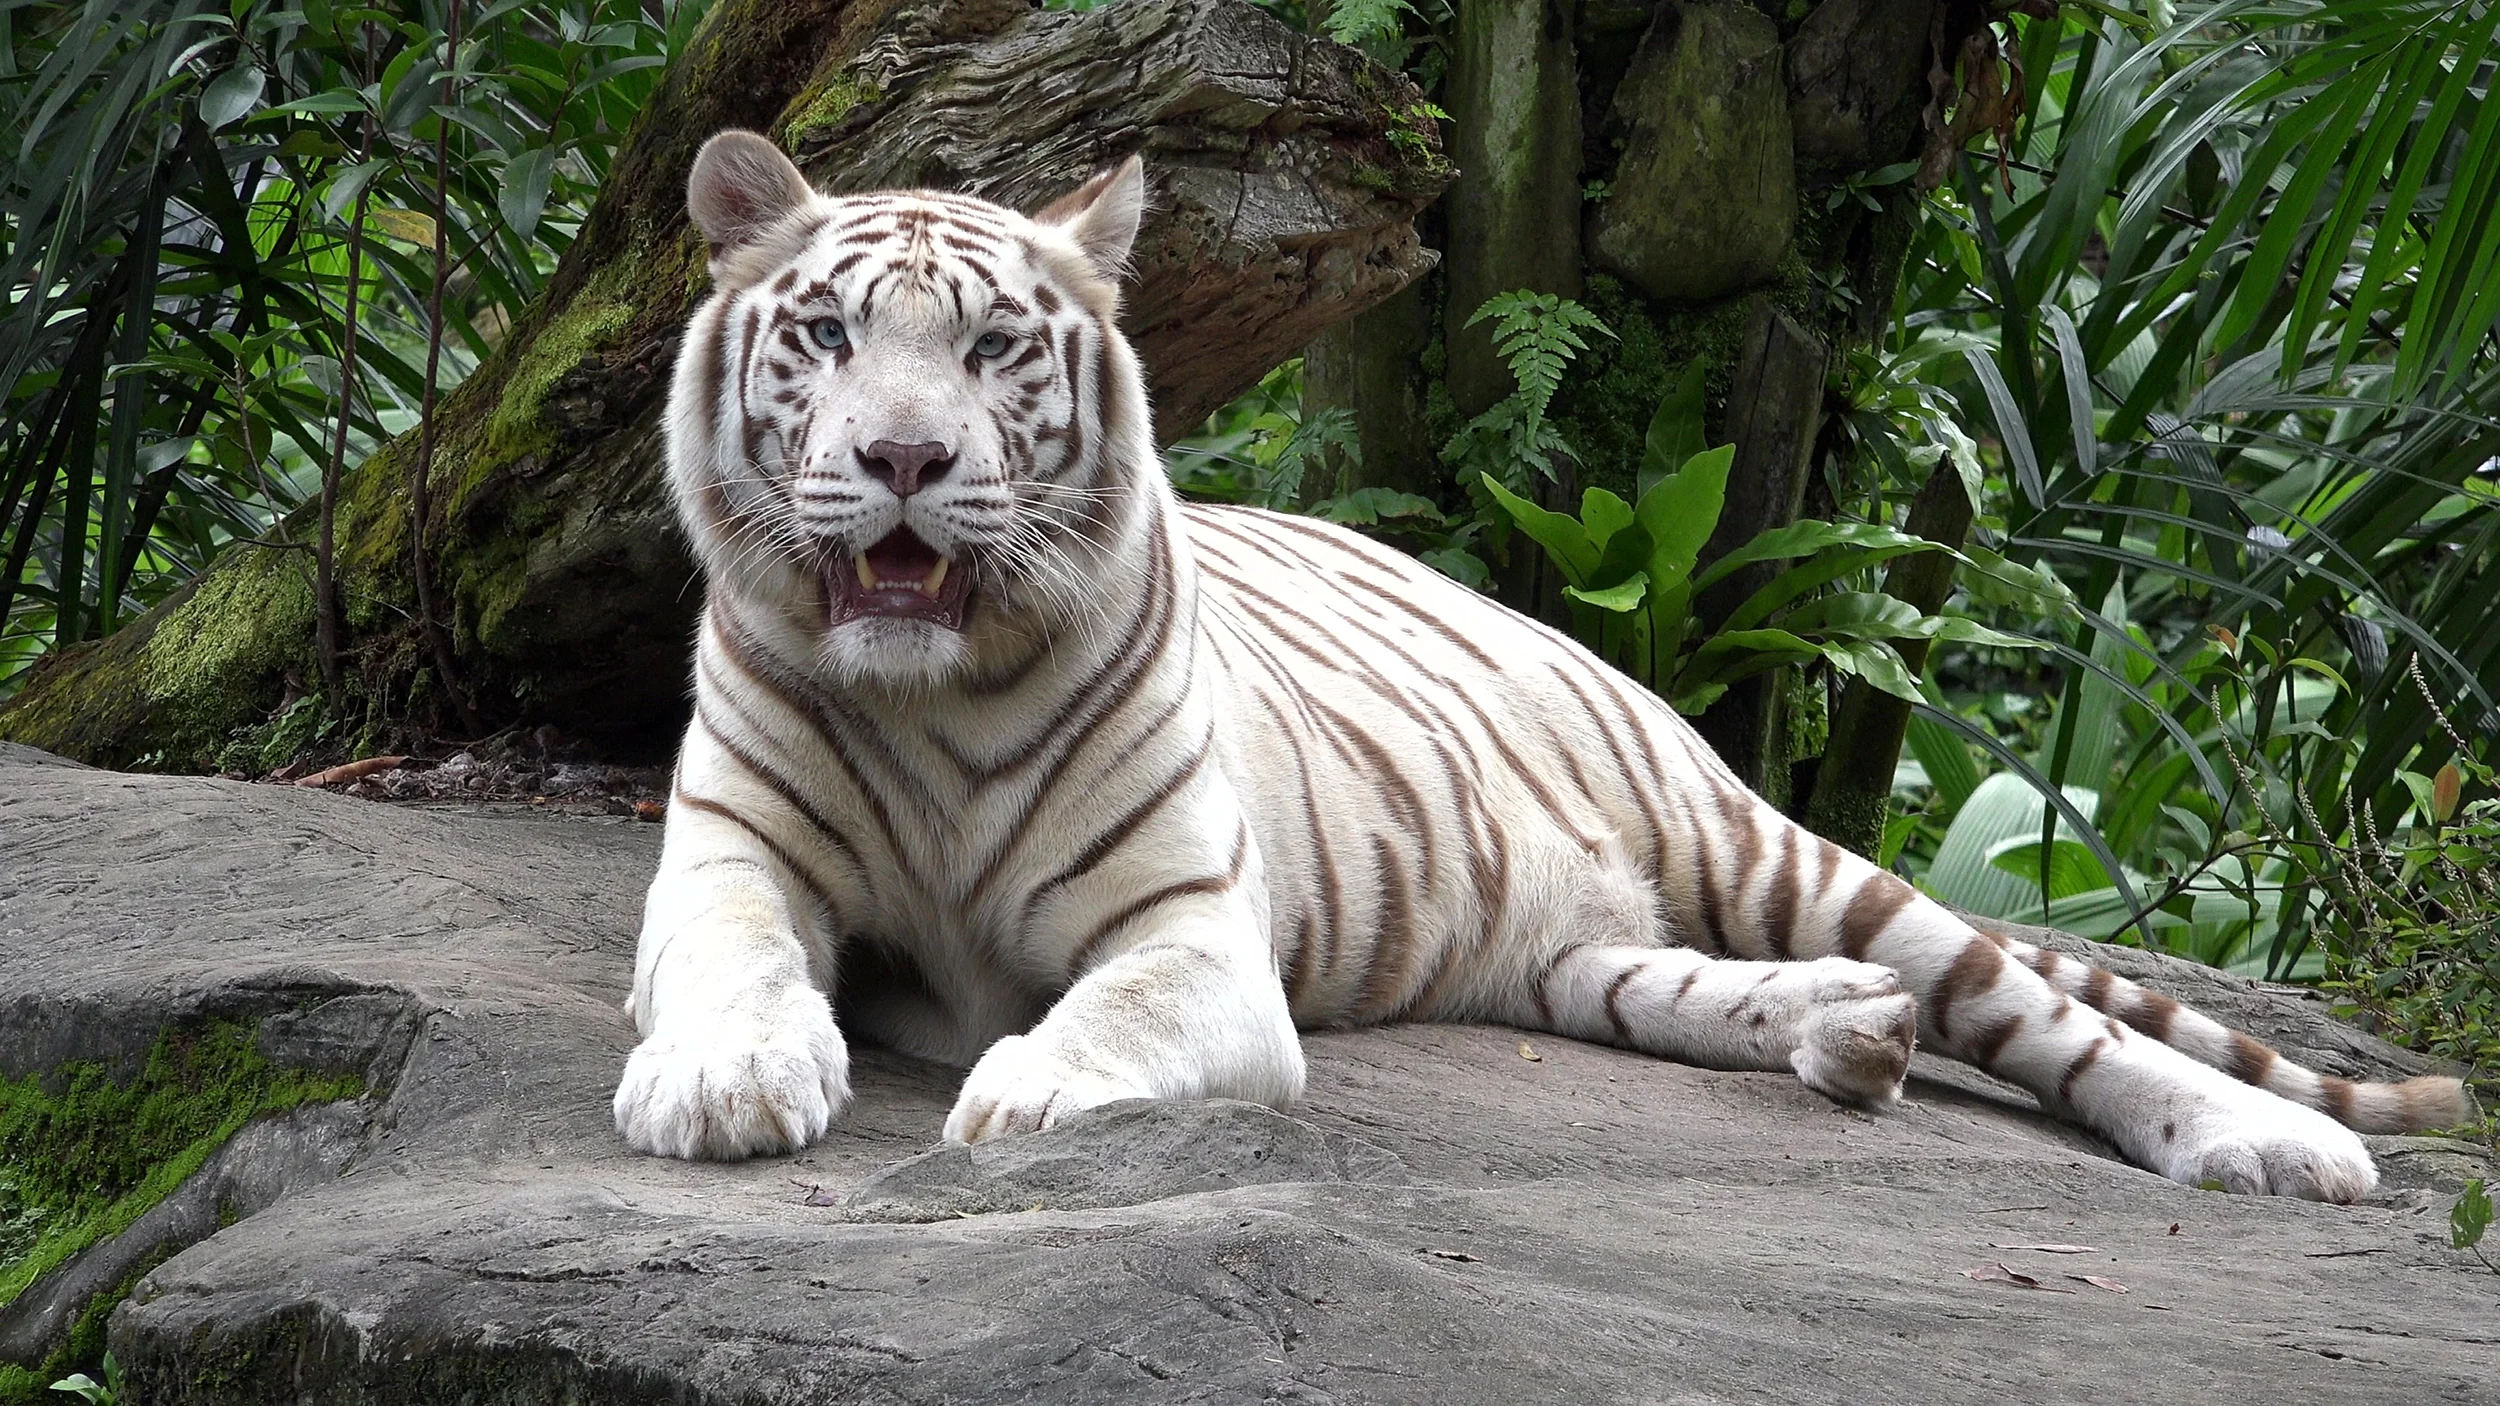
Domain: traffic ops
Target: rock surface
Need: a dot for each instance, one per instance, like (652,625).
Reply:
(1443,1220)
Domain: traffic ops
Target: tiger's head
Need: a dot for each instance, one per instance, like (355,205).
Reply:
(906,422)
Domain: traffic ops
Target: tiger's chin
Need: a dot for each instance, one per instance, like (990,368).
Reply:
(894,614)
(895,652)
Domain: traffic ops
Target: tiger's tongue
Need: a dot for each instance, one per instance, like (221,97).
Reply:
(900,577)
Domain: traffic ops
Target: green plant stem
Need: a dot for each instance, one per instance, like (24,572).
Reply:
(420,476)
(1853,782)
(327,617)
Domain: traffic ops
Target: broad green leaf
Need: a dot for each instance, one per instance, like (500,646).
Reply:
(1874,661)
(2077,371)
(2072,867)
(1561,536)
(1820,569)
(2470,1217)
(1806,538)
(2003,808)
(1737,654)
(1618,598)
(1365,507)
(526,179)
(1997,581)
(1675,433)
(1857,614)
(1602,515)
(1679,511)
(231,96)
(1948,763)
(409,226)
(1961,631)
(2013,429)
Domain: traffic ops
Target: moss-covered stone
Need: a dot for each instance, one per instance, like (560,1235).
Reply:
(84,1154)
(561,343)
(1704,198)
(1606,402)
(184,677)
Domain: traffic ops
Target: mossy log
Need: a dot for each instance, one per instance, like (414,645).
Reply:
(1288,171)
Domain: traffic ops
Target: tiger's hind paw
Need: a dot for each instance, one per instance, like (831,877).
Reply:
(2284,1150)
(1858,1034)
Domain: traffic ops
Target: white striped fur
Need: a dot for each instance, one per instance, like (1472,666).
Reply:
(1189,777)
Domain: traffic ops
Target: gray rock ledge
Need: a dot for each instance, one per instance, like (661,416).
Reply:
(1442,1221)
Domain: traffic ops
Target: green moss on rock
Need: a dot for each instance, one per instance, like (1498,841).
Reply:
(589,322)
(815,113)
(83,1154)
(187,677)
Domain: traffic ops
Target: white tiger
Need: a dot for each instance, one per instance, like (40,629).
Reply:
(1027,766)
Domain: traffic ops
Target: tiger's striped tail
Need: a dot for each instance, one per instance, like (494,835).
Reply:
(2412,1106)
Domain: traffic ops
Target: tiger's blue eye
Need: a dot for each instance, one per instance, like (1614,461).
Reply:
(991,344)
(827,333)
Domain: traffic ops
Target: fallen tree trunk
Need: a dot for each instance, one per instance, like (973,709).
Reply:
(1287,170)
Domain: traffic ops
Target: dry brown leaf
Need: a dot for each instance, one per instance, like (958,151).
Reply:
(2098,1282)
(2048,1249)
(1993,1273)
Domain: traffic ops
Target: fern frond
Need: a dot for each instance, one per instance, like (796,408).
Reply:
(1359,22)
(1537,335)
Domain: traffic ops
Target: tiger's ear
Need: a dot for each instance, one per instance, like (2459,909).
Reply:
(1102,215)
(742,186)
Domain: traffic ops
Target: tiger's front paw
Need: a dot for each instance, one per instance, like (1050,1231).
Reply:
(1023,1085)
(1858,1030)
(727,1089)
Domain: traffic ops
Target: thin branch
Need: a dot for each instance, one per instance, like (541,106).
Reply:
(326,611)
(420,478)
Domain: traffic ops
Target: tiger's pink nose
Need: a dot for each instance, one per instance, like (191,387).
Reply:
(905,467)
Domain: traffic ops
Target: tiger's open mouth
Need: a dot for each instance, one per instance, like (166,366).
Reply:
(900,578)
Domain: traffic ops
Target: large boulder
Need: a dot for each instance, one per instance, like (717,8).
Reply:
(1454,1214)
(1704,199)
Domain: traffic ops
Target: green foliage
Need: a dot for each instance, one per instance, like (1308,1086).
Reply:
(2423,951)
(1537,335)
(91,1391)
(2215,356)
(1259,449)
(1631,569)
(83,1154)
(2469,1218)
(195,196)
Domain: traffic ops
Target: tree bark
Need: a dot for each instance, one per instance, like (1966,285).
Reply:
(1774,410)
(1371,366)
(1514,212)
(1282,205)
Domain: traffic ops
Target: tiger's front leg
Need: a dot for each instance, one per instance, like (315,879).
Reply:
(740,1055)
(1176,996)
